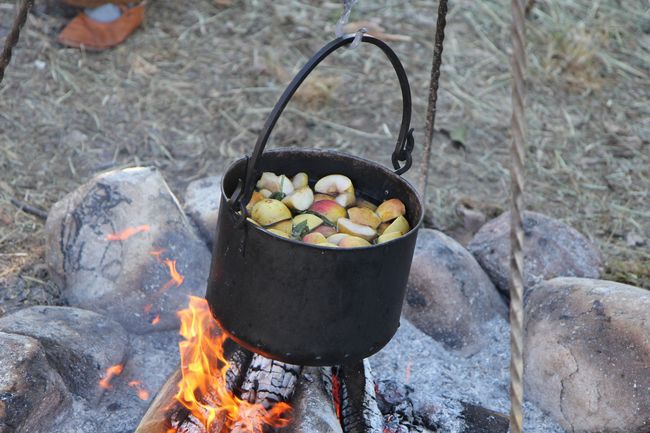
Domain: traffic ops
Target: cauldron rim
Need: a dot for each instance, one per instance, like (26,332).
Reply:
(414,228)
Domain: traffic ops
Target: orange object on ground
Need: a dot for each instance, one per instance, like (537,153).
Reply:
(95,35)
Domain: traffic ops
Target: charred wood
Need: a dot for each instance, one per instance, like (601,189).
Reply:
(359,410)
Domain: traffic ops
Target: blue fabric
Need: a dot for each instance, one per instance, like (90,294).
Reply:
(105,13)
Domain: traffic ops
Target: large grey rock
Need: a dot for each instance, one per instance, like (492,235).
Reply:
(128,280)
(449,296)
(79,344)
(202,198)
(551,249)
(313,408)
(588,354)
(32,393)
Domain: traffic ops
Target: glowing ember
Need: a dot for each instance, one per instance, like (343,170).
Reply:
(407,372)
(336,393)
(127,233)
(111,372)
(143,394)
(156,320)
(203,390)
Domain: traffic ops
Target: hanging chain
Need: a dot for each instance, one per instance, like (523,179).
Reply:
(516,224)
(14,34)
(433,96)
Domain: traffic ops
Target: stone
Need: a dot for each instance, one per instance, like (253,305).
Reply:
(313,408)
(79,344)
(587,352)
(449,296)
(481,420)
(443,382)
(120,245)
(202,199)
(551,249)
(32,394)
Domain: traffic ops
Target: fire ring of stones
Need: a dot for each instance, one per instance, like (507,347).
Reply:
(127,256)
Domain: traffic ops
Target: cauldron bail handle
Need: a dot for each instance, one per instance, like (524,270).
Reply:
(405,141)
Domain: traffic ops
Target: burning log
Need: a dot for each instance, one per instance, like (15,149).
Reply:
(359,410)
(166,414)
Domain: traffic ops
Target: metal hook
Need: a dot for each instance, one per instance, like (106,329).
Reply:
(348,5)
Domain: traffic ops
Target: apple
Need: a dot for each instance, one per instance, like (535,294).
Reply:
(388,237)
(391,209)
(400,225)
(254,199)
(337,238)
(364,216)
(279,233)
(328,209)
(284,226)
(334,184)
(300,199)
(300,180)
(354,229)
(353,242)
(314,238)
(275,183)
(365,203)
(325,230)
(312,221)
(269,211)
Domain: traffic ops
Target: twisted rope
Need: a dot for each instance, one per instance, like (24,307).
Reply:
(433,96)
(14,33)
(517,224)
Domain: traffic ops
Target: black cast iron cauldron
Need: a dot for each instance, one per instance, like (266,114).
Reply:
(301,303)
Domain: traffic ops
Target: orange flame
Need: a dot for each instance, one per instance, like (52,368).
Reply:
(156,320)
(111,372)
(203,390)
(127,233)
(176,277)
(143,394)
(336,393)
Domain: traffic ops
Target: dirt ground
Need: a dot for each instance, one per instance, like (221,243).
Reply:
(191,89)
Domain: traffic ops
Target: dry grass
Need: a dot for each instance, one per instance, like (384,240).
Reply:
(190,91)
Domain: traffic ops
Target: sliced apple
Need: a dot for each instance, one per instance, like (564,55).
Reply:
(337,238)
(269,211)
(326,231)
(388,237)
(284,226)
(254,199)
(314,238)
(312,221)
(400,225)
(365,203)
(364,216)
(300,199)
(275,183)
(300,180)
(327,244)
(268,181)
(253,221)
(353,242)
(382,227)
(333,184)
(279,233)
(354,229)
(265,193)
(391,209)
(318,197)
(347,197)
(328,209)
